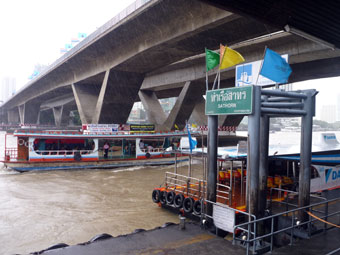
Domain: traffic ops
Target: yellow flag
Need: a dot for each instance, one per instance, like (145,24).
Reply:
(194,125)
(230,58)
(176,127)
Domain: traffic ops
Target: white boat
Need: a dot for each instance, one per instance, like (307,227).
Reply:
(61,150)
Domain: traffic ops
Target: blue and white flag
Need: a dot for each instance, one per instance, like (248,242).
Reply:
(82,35)
(275,67)
(68,46)
(192,142)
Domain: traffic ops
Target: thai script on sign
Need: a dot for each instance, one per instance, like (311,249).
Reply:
(229,96)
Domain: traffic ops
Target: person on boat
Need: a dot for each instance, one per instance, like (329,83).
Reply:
(141,145)
(150,148)
(106,149)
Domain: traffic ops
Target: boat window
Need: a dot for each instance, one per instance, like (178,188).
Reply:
(63,146)
(314,173)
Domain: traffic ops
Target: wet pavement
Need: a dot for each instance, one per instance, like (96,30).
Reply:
(167,240)
(192,240)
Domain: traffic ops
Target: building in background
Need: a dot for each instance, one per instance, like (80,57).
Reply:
(329,113)
(7,88)
(338,108)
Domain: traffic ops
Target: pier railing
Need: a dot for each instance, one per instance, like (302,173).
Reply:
(62,152)
(11,154)
(252,240)
(186,185)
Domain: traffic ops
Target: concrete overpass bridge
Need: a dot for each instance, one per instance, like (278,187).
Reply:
(155,49)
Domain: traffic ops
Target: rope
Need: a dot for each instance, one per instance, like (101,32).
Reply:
(329,223)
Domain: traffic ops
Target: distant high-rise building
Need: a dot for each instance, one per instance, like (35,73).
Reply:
(329,113)
(338,108)
(7,89)
(287,87)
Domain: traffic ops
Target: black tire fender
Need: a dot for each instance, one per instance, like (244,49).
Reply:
(188,204)
(162,197)
(170,197)
(178,200)
(155,195)
(197,207)
(147,155)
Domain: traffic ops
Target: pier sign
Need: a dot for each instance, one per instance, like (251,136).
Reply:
(231,101)
(224,217)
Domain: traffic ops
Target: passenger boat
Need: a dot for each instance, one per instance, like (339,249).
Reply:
(95,146)
(283,174)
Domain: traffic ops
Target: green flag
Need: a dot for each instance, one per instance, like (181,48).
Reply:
(212,59)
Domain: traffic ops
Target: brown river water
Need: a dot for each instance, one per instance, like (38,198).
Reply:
(39,209)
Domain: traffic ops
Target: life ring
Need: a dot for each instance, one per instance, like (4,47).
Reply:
(170,196)
(197,207)
(155,195)
(188,204)
(21,142)
(77,156)
(162,197)
(147,155)
(178,200)
(26,144)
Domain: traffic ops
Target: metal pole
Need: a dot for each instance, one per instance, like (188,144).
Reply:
(263,165)
(254,151)
(306,154)
(212,160)
(189,167)
(231,185)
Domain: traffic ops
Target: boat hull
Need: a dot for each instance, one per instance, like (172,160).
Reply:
(25,166)
(327,158)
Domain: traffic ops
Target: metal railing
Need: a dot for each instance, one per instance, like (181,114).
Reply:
(11,154)
(250,227)
(62,152)
(223,193)
(186,185)
(285,200)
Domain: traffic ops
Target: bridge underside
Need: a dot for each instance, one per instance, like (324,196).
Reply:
(158,52)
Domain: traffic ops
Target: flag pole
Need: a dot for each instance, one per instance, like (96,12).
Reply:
(264,53)
(219,79)
(215,81)
(206,81)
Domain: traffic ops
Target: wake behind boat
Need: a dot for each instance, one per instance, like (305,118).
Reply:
(96,146)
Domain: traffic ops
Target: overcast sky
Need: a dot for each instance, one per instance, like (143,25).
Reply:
(34,31)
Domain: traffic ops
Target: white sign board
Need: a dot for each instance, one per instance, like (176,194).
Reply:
(100,128)
(248,74)
(224,217)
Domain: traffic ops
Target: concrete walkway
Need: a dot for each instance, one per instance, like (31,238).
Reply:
(192,240)
(167,240)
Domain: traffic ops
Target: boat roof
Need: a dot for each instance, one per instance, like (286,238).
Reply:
(67,134)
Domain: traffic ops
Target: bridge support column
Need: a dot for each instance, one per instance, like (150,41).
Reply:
(185,104)
(120,95)
(100,100)
(198,114)
(153,108)
(110,102)
(13,116)
(86,97)
(21,109)
(57,113)
(29,113)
